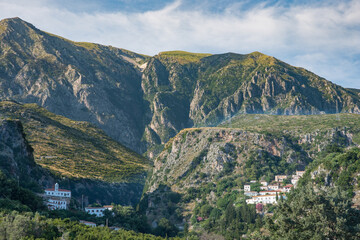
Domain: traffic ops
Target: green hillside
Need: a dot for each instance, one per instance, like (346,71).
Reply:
(182,57)
(300,124)
(74,149)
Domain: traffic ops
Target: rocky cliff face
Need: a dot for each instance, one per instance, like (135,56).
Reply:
(82,81)
(143,101)
(16,156)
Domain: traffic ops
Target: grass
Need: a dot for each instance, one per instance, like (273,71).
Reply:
(183,57)
(299,124)
(74,149)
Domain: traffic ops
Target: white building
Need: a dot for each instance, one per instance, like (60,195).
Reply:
(56,203)
(98,211)
(108,207)
(251,193)
(247,188)
(91,224)
(273,187)
(264,199)
(287,188)
(264,188)
(264,183)
(280,178)
(56,198)
(57,192)
(269,192)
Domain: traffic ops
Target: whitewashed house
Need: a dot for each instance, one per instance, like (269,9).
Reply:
(98,211)
(280,178)
(251,193)
(109,207)
(264,199)
(57,192)
(56,198)
(264,183)
(287,188)
(270,192)
(273,187)
(54,204)
(247,188)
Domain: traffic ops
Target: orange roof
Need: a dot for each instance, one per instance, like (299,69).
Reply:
(94,207)
(271,191)
(288,186)
(59,190)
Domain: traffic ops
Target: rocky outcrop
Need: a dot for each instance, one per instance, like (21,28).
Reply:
(16,156)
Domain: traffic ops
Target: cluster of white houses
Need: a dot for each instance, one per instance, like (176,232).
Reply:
(56,198)
(270,193)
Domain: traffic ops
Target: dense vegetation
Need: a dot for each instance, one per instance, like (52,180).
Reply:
(59,144)
(337,167)
(23,216)
(14,225)
(309,213)
(13,197)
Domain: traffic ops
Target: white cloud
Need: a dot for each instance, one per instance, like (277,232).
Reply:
(321,37)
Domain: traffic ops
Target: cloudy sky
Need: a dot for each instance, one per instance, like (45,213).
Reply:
(321,36)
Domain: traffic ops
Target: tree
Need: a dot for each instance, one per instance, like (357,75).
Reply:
(315,214)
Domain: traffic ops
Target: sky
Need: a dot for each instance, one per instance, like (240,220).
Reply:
(321,36)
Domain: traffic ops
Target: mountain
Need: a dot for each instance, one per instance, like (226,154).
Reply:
(82,81)
(39,148)
(209,166)
(143,101)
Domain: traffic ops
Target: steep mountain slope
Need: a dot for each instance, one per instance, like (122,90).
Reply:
(76,154)
(143,101)
(74,149)
(209,165)
(82,81)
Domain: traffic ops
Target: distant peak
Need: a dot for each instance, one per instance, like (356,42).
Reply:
(256,53)
(14,19)
(15,22)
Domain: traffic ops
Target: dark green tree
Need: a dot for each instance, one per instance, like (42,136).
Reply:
(315,214)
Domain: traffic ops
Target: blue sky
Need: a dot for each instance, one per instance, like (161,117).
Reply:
(322,36)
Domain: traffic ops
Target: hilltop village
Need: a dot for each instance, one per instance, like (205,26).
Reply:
(270,193)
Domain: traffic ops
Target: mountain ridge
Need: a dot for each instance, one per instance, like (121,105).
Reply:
(142,101)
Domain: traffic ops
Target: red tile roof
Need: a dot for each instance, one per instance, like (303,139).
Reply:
(59,190)
(94,207)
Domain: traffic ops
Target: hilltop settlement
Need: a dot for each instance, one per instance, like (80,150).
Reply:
(270,193)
